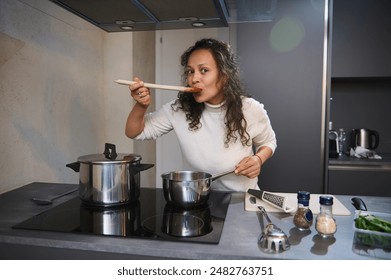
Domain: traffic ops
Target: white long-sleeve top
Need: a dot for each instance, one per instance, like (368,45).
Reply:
(204,149)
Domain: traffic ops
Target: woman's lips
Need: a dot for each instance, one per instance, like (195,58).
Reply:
(194,89)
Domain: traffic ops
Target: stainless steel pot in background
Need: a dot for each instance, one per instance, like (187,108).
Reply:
(109,179)
(366,138)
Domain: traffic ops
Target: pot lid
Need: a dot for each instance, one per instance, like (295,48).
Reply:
(109,156)
(101,158)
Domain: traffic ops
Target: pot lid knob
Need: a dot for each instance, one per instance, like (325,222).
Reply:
(110,152)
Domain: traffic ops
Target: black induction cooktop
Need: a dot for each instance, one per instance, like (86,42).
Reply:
(151,217)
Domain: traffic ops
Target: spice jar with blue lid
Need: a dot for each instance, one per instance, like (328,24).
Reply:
(303,217)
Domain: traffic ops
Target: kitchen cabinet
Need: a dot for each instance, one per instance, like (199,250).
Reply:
(349,175)
(285,74)
(361,41)
(360,90)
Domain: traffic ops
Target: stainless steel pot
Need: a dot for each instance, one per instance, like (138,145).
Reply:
(188,189)
(109,179)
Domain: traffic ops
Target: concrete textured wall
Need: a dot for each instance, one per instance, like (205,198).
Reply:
(144,63)
(57,98)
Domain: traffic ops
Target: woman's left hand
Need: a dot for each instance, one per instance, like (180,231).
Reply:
(249,167)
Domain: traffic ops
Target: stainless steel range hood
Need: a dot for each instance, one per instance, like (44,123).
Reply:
(143,15)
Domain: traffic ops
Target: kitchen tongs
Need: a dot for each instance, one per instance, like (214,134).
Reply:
(273,199)
(175,88)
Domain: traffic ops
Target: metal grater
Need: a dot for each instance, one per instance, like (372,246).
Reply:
(273,199)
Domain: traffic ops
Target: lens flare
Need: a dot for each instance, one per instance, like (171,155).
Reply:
(286,35)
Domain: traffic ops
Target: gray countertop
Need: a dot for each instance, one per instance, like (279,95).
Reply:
(238,240)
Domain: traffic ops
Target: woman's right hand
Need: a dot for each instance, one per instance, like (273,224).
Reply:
(139,93)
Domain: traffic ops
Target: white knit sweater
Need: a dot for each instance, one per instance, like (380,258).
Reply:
(204,150)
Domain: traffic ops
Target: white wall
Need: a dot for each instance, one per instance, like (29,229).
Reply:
(57,98)
(117,64)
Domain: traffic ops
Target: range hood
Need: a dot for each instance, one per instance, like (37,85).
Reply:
(144,15)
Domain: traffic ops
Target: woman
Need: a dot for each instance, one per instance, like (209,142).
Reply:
(217,128)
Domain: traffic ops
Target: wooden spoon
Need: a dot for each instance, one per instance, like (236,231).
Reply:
(178,88)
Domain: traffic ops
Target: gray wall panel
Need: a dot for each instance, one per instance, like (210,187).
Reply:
(282,68)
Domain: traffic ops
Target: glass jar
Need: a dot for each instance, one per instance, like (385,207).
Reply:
(303,217)
(325,223)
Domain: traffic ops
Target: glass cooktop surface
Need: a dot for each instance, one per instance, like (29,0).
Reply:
(151,217)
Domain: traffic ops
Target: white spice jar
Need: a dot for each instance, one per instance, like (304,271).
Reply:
(325,223)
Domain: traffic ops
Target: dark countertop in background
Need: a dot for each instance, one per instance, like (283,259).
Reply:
(348,161)
(238,240)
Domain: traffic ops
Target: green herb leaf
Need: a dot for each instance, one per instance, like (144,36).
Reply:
(371,222)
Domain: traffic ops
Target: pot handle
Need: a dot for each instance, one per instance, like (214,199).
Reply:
(375,135)
(134,169)
(110,152)
(74,165)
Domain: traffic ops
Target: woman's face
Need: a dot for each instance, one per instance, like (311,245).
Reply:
(202,72)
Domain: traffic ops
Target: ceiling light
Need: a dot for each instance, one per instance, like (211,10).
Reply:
(198,24)
(126,27)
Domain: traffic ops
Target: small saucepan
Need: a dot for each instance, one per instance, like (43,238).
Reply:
(187,189)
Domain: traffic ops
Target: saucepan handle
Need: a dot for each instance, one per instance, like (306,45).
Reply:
(134,169)
(217,176)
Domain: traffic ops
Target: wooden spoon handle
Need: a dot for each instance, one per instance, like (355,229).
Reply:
(177,88)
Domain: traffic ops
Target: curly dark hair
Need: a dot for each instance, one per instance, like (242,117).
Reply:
(231,86)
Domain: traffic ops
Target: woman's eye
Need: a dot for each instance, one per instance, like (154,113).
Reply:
(204,70)
(189,71)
